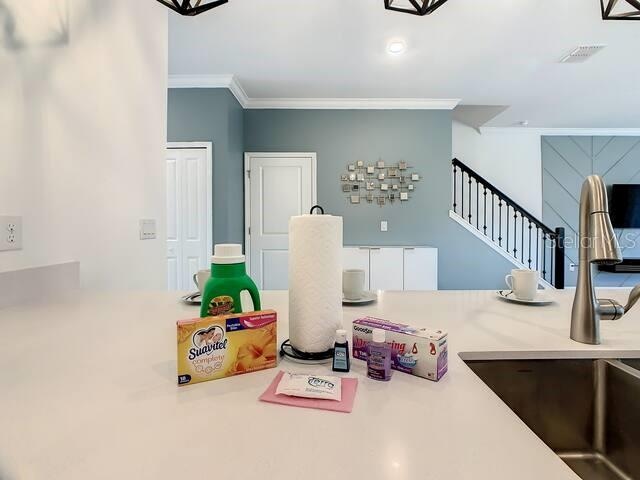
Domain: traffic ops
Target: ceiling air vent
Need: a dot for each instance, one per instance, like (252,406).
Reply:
(582,53)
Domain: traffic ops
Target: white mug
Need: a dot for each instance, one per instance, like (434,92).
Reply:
(353,284)
(200,279)
(524,283)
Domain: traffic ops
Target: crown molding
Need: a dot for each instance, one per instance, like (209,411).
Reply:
(354,103)
(232,83)
(550,131)
(211,81)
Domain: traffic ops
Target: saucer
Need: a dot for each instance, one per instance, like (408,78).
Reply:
(367,297)
(540,300)
(192,299)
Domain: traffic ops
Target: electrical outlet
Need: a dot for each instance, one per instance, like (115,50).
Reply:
(10,233)
(384,226)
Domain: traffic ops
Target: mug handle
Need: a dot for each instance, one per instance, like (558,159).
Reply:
(509,281)
(195,280)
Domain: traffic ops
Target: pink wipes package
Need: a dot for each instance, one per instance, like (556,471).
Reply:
(349,387)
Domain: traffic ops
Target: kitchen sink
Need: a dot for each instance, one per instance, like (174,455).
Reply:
(632,362)
(587,411)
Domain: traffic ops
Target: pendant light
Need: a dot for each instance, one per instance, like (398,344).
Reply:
(191,8)
(415,7)
(620,9)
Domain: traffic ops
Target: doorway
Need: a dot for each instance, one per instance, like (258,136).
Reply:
(189,212)
(277,187)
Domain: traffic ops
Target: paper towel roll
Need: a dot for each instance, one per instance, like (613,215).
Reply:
(315,281)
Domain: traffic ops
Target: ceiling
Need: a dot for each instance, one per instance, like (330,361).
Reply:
(484,52)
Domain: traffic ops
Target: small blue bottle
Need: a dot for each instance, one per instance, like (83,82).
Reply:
(379,357)
(341,361)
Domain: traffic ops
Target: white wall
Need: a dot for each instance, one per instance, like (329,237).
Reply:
(83,129)
(510,158)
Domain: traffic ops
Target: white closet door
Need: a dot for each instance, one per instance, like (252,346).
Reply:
(420,268)
(174,247)
(357,258)
(280,186)
(188,197)
(386,268)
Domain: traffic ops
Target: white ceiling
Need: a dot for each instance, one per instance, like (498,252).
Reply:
(485,52)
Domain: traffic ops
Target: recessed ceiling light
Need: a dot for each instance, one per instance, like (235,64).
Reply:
(396,47)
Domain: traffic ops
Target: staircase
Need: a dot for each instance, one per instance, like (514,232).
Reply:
(506,227)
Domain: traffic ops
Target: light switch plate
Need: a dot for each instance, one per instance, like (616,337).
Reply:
(384,226)
(10,233)
(147,229)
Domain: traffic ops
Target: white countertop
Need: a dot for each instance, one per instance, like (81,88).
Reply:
(88,391)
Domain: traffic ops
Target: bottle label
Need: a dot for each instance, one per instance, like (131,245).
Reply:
(378,364)
(222,305)
(340,359)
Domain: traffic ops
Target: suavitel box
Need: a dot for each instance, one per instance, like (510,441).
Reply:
(217,347)
(418,351)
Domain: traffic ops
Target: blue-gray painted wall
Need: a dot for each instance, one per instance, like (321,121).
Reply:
(566,162)
(423,139)
(200,115)
(340,137)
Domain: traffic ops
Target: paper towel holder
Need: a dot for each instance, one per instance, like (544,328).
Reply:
(288,350)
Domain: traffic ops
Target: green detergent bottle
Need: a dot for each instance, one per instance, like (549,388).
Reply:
(221,295)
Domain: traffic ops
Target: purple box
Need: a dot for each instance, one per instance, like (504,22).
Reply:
(418,351)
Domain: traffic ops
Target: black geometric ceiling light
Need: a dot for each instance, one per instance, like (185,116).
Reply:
(620,9)
(415,7)
(191,8)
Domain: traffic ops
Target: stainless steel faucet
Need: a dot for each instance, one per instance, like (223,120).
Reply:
(598,245)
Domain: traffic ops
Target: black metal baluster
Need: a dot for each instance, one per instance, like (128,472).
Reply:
(522,240)
(537,247)
(455,182)
(544,255)
(477,205)
(462,192)
(469,216)
(529,243)
(515,234)
(485,211)
(500,221)
(506,217)
(493,217)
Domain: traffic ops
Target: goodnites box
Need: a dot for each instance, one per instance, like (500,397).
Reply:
(418,351)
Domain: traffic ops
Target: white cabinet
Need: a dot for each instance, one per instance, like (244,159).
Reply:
(420,268)
(357,258)
(386,268)
(395,268)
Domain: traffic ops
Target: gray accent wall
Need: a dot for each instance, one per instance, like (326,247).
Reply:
(214,115)
(423,139)
(566,162)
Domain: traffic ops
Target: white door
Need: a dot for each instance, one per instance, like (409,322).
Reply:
(386,268)
(279,186)
(357,258)
(420,268)
(189,199)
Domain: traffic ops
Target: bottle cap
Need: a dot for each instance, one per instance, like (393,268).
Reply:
(341,336)
(379,335)
(227,254)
